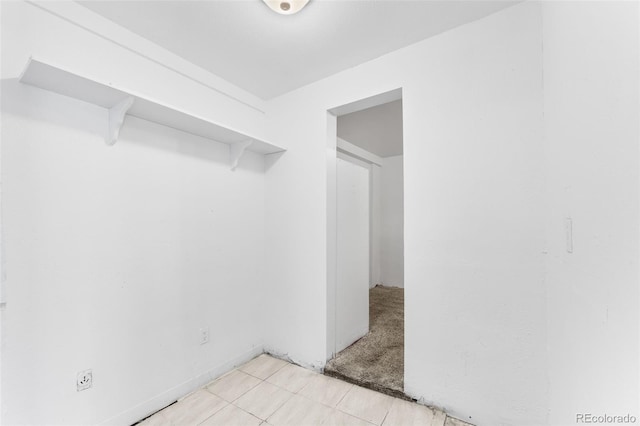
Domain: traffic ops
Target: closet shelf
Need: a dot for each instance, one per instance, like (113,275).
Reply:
(121,102)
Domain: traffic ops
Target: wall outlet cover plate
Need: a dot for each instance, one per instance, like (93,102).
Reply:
(84,380)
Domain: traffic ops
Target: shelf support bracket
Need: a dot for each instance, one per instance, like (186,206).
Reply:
(116,119)
(236,150)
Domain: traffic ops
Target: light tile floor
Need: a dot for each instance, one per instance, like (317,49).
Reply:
(270,392)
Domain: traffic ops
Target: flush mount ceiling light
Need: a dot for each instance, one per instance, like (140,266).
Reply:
(286,7)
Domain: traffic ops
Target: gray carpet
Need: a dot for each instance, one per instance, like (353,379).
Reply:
(376,361)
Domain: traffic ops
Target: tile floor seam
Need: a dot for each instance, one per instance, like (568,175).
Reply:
(319,404)
(252,415)
(252,375)
(282,388)
(243,394)
(359,418)
(340,410)
(312,374)
(343,396)
(240,396)
(315,402)
(211,415)
(385,417)
(217,412)
(323,404)
(259,378)
(274,411)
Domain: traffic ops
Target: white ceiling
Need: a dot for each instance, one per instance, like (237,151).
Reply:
(377,129)
(268,54)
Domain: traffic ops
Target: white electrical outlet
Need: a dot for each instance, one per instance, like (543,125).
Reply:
(84,380)
(204,335)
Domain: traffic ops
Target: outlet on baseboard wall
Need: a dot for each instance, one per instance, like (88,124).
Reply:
(204,335)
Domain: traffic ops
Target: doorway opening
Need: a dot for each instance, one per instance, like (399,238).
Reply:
(366,253)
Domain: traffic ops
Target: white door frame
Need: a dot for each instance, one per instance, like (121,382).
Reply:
(332,147)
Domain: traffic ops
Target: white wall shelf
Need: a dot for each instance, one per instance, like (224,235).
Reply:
(121,103)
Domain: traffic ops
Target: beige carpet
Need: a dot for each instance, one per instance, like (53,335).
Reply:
(376,361)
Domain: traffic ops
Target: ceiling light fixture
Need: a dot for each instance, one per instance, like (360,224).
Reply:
(286,7)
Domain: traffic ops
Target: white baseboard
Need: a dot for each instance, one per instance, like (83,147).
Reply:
(145,409)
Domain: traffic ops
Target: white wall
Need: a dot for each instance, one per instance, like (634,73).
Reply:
(592,115)
(376,225)
(502,325)
(475,308)
(116,256)
(392,223)
(474,227)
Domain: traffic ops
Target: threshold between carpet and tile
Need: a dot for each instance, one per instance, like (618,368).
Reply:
(376,361)
(268,391)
